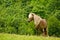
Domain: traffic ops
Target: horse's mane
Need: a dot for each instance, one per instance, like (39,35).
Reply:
(35,14)
(32,13)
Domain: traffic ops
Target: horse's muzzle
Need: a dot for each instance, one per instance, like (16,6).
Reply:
(28,21)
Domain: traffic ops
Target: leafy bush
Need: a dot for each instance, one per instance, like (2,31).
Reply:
(14,13)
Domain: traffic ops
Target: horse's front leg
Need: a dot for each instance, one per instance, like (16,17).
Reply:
(37,30)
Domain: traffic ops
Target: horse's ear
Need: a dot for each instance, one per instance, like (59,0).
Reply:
(32,14)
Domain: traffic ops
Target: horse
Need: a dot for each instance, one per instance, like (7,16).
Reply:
(40,24)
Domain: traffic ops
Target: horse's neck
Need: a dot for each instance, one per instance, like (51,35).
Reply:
(37,19)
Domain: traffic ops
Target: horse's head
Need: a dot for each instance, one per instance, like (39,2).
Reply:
(30,17)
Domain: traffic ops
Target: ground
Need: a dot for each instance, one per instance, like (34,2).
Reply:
(5,36)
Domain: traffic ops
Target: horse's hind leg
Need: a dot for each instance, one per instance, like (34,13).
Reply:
(45,32)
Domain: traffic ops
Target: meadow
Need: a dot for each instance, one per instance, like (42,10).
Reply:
(24,37)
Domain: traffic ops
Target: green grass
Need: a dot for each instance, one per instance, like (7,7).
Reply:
(24,37)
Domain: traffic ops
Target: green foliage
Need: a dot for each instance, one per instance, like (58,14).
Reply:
(14,13)
(54,26)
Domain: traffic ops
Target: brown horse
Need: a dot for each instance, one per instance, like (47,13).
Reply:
(40,24)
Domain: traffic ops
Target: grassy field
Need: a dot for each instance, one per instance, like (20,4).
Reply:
(24,37)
